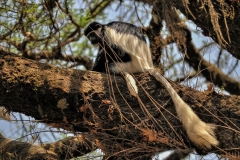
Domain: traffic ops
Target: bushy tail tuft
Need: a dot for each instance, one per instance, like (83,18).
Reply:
(199,132)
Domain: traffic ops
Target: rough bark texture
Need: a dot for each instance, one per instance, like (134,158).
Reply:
(228,12)
(63,149)
(181,36)
(82,101)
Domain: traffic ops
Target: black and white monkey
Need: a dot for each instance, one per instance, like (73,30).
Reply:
(123,49)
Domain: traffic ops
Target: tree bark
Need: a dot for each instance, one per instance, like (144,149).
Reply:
(63,149)
(100,105)
(228,17)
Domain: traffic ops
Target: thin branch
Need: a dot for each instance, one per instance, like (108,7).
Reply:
(79,60)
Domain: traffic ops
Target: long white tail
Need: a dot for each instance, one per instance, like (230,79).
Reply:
(200,133)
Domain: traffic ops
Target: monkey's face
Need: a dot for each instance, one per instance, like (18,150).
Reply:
(93,33)
(94,38)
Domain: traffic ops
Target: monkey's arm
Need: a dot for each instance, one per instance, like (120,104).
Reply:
(100,62)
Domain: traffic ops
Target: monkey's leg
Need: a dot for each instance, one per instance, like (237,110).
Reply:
(131,84)
(199,132)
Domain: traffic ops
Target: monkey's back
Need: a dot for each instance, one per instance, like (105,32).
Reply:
(127,28)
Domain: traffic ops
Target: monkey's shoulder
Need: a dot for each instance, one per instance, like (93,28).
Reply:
(126,28)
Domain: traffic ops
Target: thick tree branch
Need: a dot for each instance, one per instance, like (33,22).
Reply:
(182,36)
(80,101)
(210,71)
(153,31)
(227,14)
(63,149)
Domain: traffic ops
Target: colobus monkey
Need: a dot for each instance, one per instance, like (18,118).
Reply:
(123,48)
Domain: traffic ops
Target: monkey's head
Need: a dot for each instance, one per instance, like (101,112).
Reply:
(93,33)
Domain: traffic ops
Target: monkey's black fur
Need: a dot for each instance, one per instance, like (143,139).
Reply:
(106,58)
(108,54)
